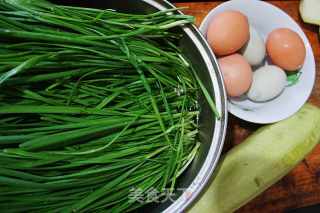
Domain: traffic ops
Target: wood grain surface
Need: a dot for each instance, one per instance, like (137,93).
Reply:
(301,187)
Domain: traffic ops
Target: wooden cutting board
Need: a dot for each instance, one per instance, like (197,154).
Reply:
(301,187)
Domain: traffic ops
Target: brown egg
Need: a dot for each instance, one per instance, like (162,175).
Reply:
(228,32)
(237,74)
(286,49)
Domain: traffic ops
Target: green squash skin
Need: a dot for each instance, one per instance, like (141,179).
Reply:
(260,161)
(309,11)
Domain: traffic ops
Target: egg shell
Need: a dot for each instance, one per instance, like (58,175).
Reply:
(286,49)
(228,32)
(254,50)
(237,74)
(267,83)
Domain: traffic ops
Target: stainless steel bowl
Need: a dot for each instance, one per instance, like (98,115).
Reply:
(212,131)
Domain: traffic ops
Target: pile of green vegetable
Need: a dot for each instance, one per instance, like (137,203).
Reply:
(93,103)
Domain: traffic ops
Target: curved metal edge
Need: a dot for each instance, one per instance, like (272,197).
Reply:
(202,179)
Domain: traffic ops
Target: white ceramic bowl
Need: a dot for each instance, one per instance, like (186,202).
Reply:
(265,18)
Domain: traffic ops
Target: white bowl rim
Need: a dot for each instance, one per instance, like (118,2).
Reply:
(234,109)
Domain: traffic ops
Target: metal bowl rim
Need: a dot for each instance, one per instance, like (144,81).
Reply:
(193,192)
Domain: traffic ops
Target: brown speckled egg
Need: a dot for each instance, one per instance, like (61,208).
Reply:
(237,74)
(228,32)
(286,49)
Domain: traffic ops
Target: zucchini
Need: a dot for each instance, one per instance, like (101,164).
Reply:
(260,161)
(310,11)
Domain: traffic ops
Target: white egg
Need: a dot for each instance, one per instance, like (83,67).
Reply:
(254,50)
(268,82)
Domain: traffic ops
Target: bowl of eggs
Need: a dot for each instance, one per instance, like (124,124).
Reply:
(265,58)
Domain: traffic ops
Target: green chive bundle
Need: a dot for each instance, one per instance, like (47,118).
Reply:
(93,103)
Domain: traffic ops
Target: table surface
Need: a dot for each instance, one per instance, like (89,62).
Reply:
(301,187)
